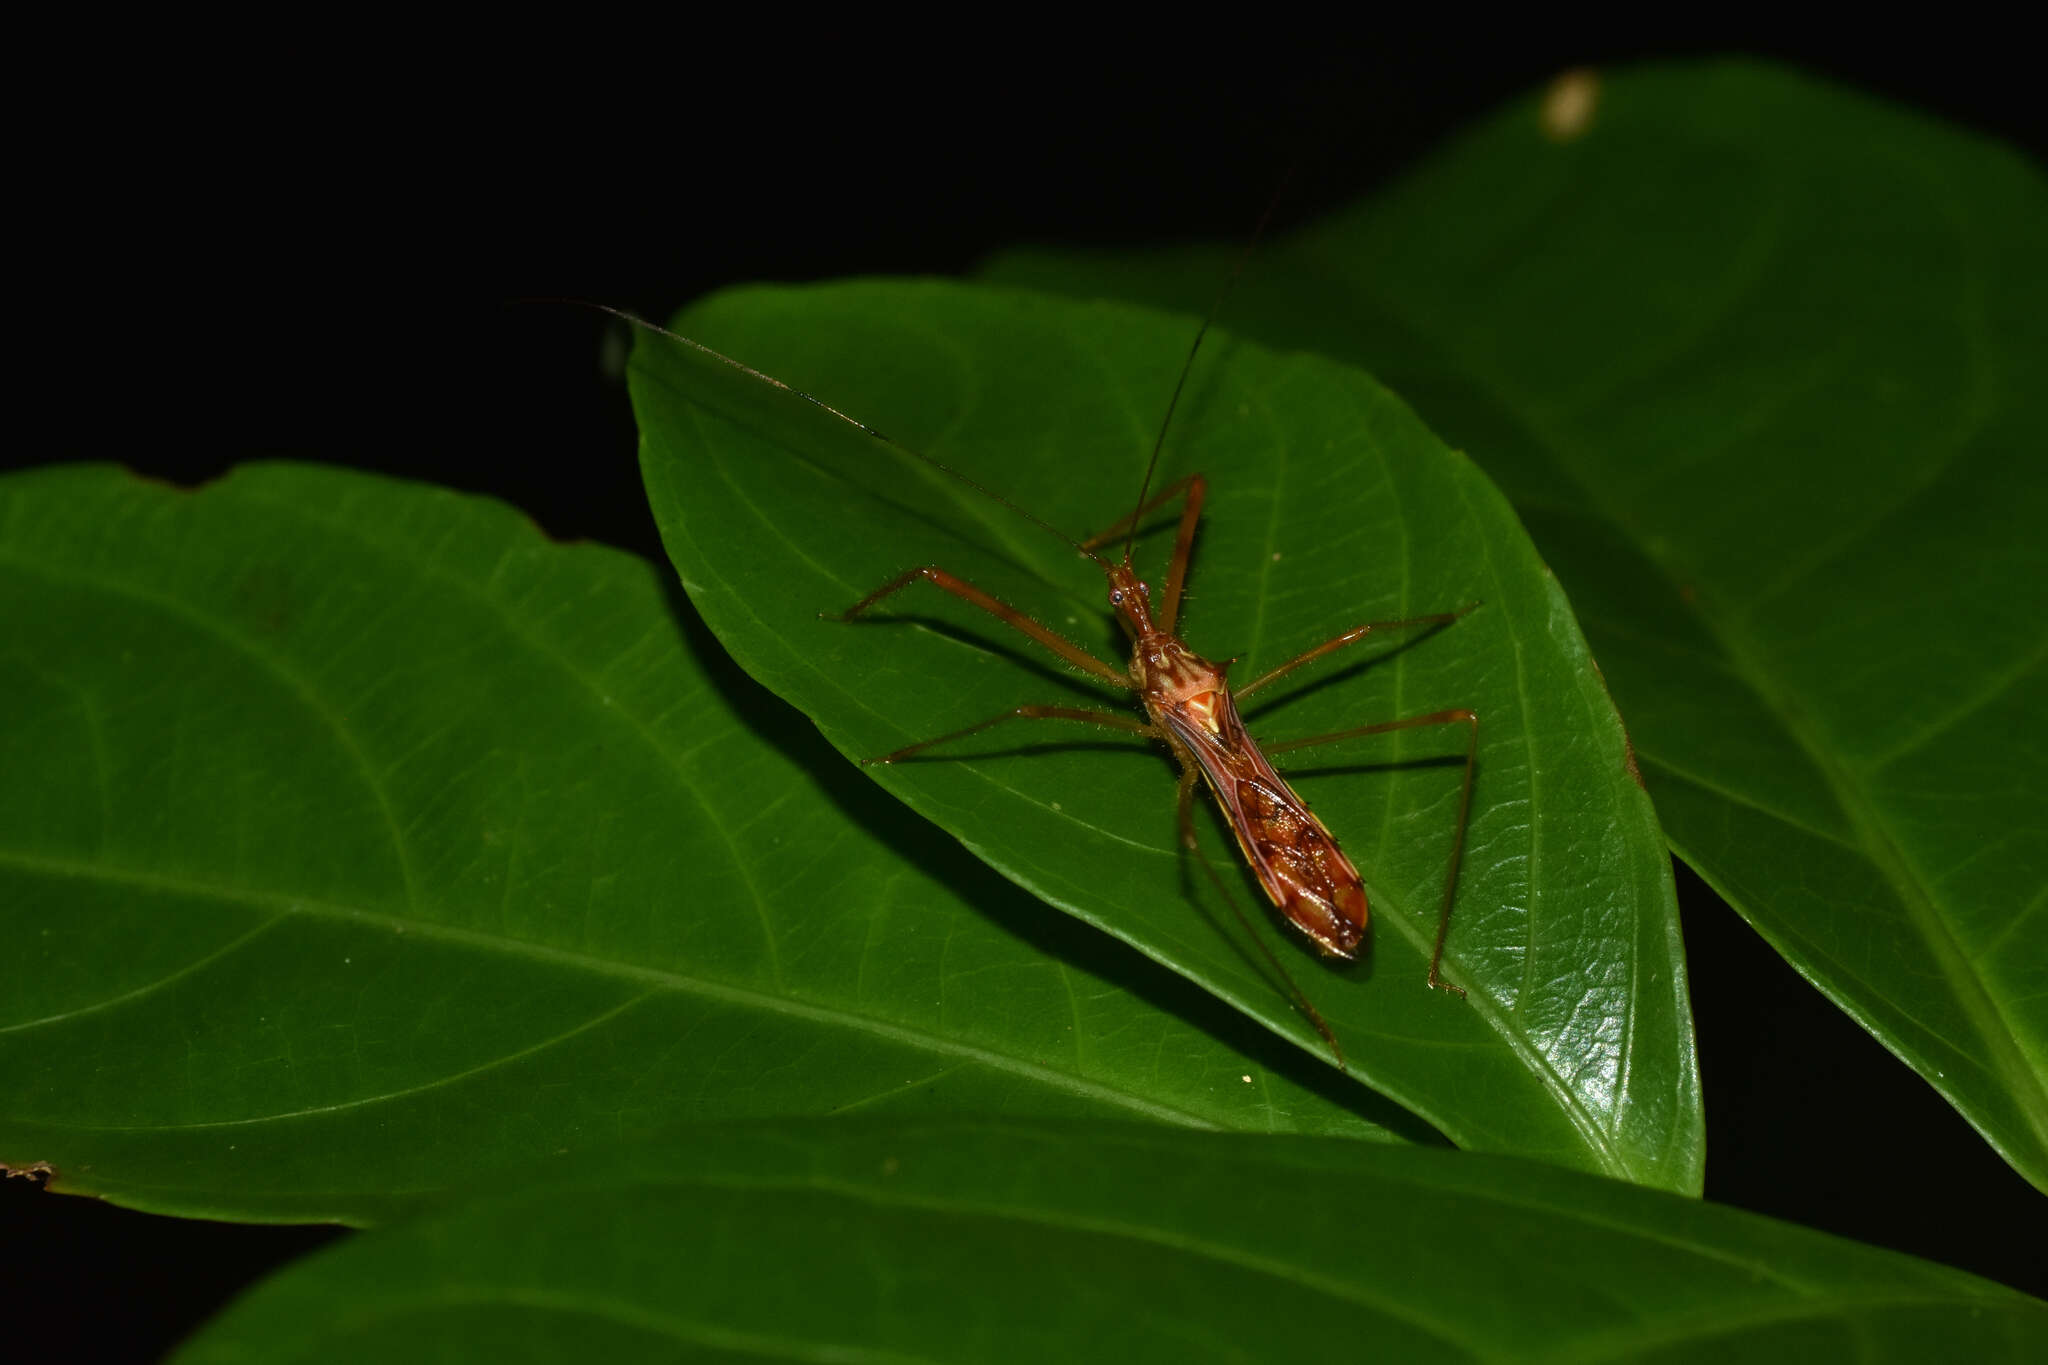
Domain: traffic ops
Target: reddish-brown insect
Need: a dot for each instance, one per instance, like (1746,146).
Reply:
(1191,707)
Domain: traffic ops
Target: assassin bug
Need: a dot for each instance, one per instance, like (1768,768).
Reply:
(1189,706)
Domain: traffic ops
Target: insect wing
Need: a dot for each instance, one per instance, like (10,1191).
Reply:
(1303,871)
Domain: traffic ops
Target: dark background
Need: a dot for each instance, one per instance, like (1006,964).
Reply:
(298,263)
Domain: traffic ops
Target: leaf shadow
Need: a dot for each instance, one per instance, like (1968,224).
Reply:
(1398,765)
(1040,749)
(1349,671)
(968,636)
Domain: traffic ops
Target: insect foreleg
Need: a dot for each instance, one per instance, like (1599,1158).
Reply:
(1196,487)
(1459,716)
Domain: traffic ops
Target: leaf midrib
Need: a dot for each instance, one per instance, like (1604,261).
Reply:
(281,904)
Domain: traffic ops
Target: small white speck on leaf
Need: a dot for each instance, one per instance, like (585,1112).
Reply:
(1569,104)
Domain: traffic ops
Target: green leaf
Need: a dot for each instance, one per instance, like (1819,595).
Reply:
(1329,506)
(973,1241)
(355,839)
(1758,362)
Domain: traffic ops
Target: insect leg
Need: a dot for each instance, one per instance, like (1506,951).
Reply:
(1001,610)
(1197,488)
(1458,716)
(1081,713)
(1193,845)
(1351,636)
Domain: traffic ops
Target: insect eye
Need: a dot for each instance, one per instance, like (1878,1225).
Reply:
(1116,597)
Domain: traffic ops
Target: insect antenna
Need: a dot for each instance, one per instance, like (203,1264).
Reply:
(1187,366)
(821,405)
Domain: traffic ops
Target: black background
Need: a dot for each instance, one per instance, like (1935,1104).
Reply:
(320,260)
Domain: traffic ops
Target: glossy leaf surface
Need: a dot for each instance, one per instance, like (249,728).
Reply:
(976,1242)
(1759,364)
(1329,506)
(354,839)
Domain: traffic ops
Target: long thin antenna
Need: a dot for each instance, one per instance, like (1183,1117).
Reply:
(1188,365)
(636,320)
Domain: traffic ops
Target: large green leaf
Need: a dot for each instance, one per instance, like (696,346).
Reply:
(1759,362)
(354,838)
(974,1242)
(1330,505)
